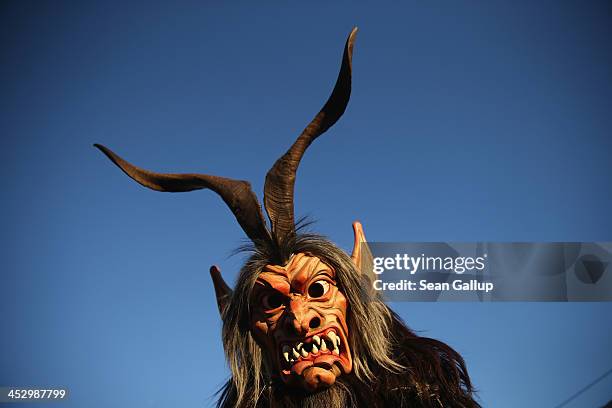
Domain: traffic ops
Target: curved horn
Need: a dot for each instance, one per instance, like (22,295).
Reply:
(237,194)
(280,180)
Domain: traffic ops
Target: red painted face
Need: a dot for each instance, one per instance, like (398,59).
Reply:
(298,317)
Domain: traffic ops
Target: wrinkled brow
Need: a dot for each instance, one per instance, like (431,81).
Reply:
(272,281)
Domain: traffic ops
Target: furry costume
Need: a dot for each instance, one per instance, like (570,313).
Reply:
(303,326)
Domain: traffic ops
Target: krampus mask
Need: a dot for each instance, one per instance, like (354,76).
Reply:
(303,326)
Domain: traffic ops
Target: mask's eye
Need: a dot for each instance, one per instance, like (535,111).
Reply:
(318,289)
(272,301)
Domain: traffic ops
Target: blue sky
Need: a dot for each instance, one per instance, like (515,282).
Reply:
(470,121)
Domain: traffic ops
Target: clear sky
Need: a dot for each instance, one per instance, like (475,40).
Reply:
(469,121)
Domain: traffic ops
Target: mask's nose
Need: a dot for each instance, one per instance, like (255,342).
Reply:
(301,318)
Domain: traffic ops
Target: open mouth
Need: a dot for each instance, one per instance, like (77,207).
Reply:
(322,349)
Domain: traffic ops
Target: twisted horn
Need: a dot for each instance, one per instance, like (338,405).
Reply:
(237,194)
(280,180)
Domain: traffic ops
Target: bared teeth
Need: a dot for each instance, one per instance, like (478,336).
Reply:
(335,342)
(330,342)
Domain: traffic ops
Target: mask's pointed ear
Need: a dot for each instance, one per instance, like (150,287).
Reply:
(222,290)
(362,256)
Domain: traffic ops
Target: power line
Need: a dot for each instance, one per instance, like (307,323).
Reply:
(581,391)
